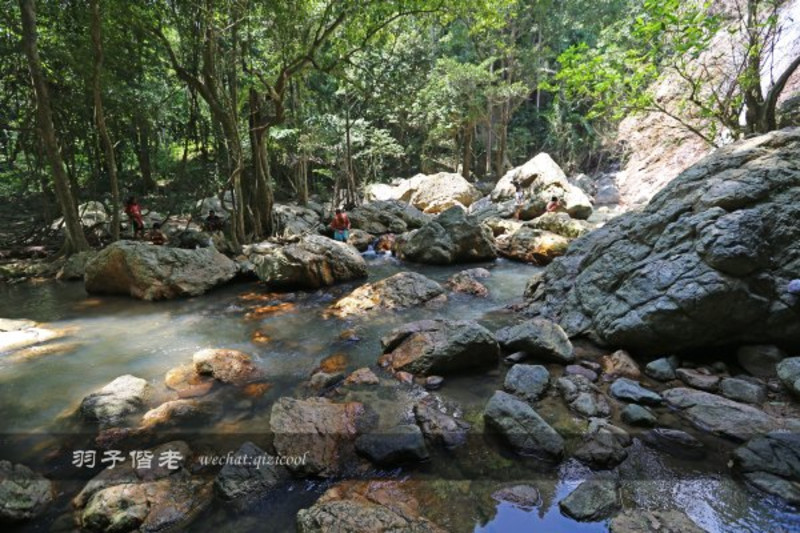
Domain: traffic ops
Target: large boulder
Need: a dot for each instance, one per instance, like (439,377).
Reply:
(150,272)
(401,291)
(522,427)
(438,192)
(294,221)
(707,262)
(390,216)
(312,262)
(319,431)
(453,237)
(439,347)
(772,463)
(531,245)
(24,494)
(541,179)
(539,339)
(356,506)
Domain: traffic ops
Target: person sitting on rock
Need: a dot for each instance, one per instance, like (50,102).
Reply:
(519,198)
(554,205)
(134,212)
(156,236)
(340,226)
(212,222)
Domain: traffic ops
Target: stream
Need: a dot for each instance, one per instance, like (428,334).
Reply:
(290,335)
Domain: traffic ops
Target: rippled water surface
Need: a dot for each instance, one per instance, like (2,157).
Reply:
(106,337)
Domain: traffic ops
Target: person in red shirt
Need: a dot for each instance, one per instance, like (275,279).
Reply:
(134,213)
(340,226)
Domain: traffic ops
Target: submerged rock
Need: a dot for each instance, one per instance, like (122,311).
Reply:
(312,262)
(467,282)
(594,499)
(695,268)
(400,291)
(356,506)
(453,237)
(439,347)
(522,427)
(24,494)
(150,272)
(439,427)
(522,496)
(604,445)
(653,521)
(241,479)
(323,433)
(674,442)
(397,445)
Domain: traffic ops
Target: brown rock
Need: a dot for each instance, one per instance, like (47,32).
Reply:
(620,364)
(227,366)
(187,382)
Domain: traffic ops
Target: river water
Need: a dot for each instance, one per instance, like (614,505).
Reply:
(291,335)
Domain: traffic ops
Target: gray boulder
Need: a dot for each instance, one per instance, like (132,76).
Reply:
(310,263)
(743,390)
(760,360)
(631,391)
(453,237)
(150,272)
(439,347)
(391,216)
(540,339)
(772,463)
(636,415)
(662,369)
(698,266)
(789,374)
(603,445)
(583,396)
(698,380)
(529,382)
(294,220)
(522,427)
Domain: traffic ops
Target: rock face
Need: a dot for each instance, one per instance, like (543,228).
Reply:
(540,339)
(772,463)
(156,272)
(323,433)
(356,506)
(699,266)
(120,398)
(453,237)
(721,416)
(24,494)
(160,498)
(312,262)
(522,427)
(439,347)
(542,178)
(401,291)
(382,217)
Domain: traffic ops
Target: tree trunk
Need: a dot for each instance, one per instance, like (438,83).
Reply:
(100,119)
(466,161)
(75,240)
(142,143)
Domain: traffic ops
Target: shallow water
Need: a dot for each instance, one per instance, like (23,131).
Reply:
(111,336)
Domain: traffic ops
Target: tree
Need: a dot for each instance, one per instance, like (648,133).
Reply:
(75,240)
